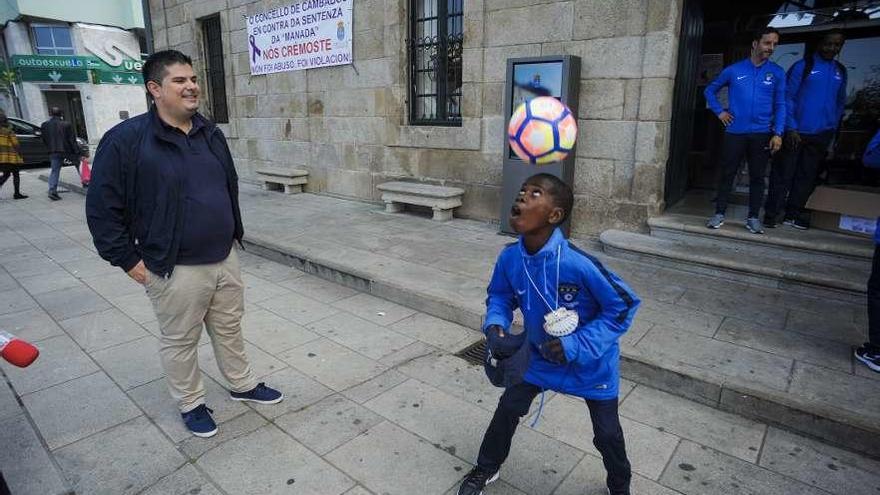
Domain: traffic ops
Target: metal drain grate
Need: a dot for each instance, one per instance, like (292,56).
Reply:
(473,353)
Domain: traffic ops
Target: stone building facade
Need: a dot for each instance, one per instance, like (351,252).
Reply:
(348,125)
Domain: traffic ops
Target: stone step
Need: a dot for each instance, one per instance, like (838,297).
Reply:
(821,244)
(802,271)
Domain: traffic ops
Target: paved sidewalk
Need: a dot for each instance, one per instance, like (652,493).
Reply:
(375,401)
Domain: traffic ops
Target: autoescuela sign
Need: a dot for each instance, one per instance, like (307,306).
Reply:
(301,35)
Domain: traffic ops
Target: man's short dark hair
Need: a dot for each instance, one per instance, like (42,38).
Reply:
(833,32)
(760,33)
(559,191)
(156,66)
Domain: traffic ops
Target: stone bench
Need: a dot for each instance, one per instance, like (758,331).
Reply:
(441,199)
(282,179)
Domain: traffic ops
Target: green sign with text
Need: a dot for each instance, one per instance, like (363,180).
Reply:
(59,62)
(54,75)
(117,77)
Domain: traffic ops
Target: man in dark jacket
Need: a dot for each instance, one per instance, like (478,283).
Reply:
(163,206)
(61,142)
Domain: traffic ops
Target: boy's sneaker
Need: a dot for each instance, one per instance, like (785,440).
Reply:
(476,480)
(715,221)
(770,221)
(199,421)
(754,226)
(796,223)
(870,356)
(260,394)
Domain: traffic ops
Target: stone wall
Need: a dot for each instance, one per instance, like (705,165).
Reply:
(348,124)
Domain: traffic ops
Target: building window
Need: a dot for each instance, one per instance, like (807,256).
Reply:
(216,75)
(435,45)
(52,40)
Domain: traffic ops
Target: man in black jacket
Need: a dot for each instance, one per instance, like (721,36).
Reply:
(163,206)
(61,141)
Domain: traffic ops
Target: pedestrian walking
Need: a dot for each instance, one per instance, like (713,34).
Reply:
(754,122)
(815,97)
(163,206)
(574,310)
(61,142)
(10,157)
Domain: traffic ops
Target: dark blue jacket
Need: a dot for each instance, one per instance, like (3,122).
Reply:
(605,307)
(815,104)
(872,159)
(756,96)
(135,206)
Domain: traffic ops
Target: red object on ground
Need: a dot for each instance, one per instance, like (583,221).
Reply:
(17,351)
(85,172)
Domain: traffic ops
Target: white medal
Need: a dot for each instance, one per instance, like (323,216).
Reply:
(561,322)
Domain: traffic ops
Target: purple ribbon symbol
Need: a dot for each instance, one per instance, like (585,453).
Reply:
(255,50)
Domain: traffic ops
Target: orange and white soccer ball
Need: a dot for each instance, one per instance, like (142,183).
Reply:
(542,130)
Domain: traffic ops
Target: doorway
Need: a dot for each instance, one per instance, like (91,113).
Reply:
(70,103)
(717,34)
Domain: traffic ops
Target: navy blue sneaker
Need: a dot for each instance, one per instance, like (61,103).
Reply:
(200,422)
(260,394)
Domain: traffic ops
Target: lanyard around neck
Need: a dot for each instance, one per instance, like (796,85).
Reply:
(526,269)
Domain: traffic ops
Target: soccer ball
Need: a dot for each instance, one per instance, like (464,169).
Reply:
(542,130)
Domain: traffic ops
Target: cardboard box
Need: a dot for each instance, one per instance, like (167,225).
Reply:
(834,207)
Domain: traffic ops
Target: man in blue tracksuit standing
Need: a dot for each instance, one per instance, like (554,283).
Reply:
(755,121)
(815,97)
(869,353)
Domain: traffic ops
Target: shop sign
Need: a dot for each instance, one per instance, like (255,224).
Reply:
(56,62)
(118,77)
(54,75)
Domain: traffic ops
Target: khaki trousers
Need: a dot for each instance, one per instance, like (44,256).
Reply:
(212,295)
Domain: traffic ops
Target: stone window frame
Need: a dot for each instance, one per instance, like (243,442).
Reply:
(423,39)
(216,85)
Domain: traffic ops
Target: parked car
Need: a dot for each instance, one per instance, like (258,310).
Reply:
(33,149)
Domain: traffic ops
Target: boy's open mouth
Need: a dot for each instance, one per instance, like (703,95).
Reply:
(514,211)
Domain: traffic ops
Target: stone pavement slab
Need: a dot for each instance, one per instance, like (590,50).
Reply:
(298,308)
(194,447)
(318,288)
(331,364)
(327,424)
(262,363)
(699,470)
(102,329)
(60,361)
(257,289)
(389,460)
(273,333)
(835,470)
(838,390)
(440,333)
(157,403)
(186,480)
(268,462)
(32,325)
(299,390)
(133,363)
(9,405)
(722,431)
(40,284)
(25,465)
(122,460)
(15,300)
(374,309)
(76,409)
(589,477)
(68,303)
(360,335)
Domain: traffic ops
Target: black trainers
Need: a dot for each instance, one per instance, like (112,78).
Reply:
(870,356)
(54,196)
(770,221)
(199,421)
(476,480)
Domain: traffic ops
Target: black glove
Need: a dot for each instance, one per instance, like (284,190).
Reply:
(553,351)
(502,345)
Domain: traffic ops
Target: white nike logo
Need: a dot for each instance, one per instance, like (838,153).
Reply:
(814,72)
(741,77)
(520,292)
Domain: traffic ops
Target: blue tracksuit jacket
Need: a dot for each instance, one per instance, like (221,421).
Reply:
(605,307)
(872,159)
(815,104)
(756,96)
